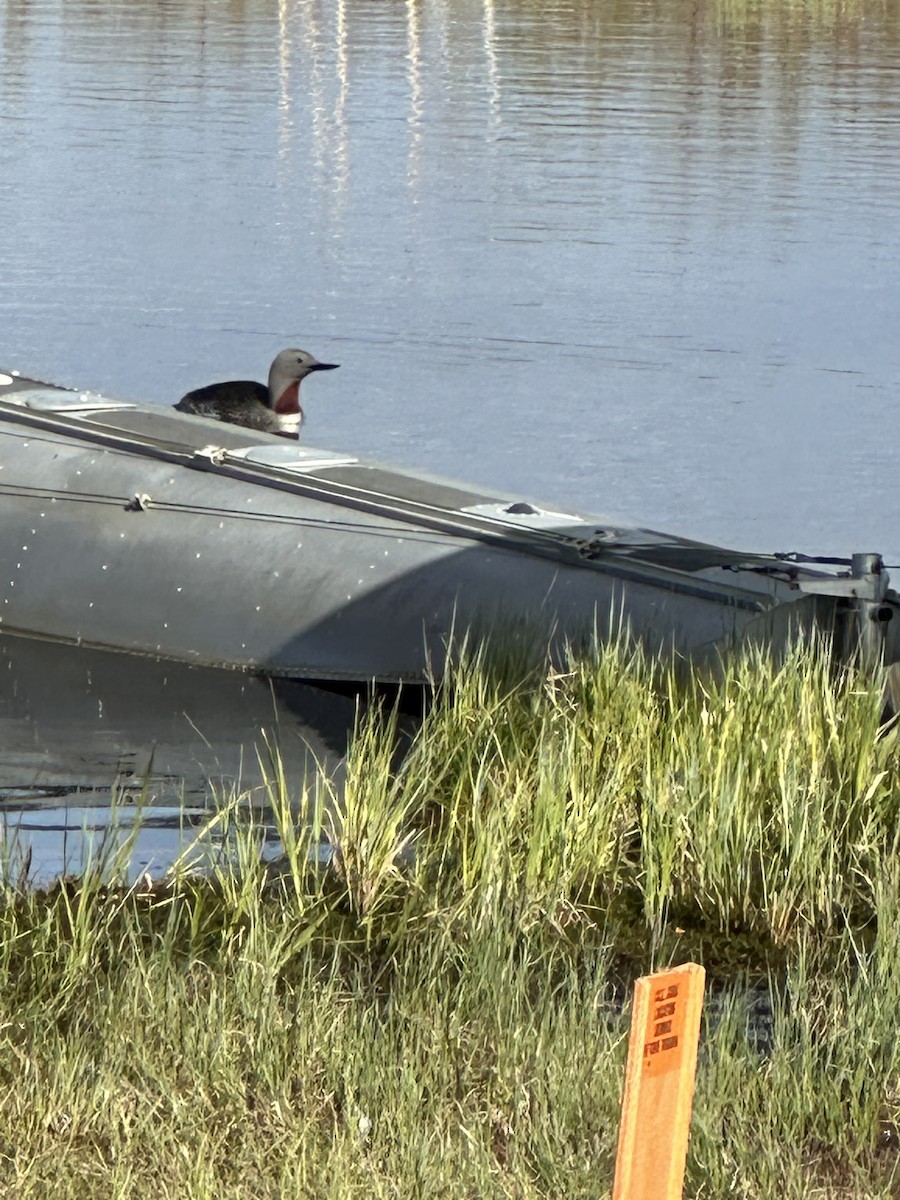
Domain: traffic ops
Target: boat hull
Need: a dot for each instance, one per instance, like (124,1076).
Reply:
(139,529)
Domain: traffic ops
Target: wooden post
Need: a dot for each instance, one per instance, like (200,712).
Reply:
(659,1085)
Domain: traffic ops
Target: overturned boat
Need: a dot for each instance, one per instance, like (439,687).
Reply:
(141,529)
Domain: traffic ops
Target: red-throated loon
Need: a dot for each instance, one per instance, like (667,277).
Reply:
(273,409)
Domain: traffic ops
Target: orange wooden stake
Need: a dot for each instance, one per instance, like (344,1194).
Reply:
(659,1085)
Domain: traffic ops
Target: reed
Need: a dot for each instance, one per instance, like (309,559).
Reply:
(443,1008)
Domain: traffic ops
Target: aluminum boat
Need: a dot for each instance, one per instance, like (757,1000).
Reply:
(134,527)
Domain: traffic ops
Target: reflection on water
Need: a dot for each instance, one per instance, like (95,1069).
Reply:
(80,729)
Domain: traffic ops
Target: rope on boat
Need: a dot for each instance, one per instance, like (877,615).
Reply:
(142,502)
(794,556)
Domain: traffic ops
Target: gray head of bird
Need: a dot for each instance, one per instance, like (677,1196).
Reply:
(285,375)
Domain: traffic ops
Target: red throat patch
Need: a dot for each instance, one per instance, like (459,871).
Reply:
(289,400)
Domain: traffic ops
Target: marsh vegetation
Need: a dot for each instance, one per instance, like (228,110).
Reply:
(443,1010)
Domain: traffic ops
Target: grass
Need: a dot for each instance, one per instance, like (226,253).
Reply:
(444,1011)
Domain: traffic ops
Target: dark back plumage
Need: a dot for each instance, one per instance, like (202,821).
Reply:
(237,401)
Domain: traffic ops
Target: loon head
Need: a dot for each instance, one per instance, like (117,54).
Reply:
(289,368)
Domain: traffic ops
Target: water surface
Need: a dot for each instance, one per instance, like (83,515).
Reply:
(639,257)
(94,745)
